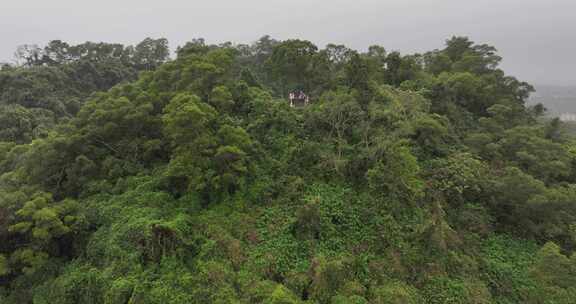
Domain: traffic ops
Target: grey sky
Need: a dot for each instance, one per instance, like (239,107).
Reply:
(537,38)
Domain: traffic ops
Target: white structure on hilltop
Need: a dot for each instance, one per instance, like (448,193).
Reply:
(568,117)
(298,99)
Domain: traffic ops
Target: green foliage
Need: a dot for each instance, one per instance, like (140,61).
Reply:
(556,272)
(507,263)
(351,299)
(456,178)
(211,159)
(187,119)
(296,64)
(53,81)
(554,268)
(20,124)
(396,175)
(3,266)
(338,112)
(396,293)
(446,290)
(281,295)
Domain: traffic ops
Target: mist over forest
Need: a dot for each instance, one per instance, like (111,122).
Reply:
(557,99)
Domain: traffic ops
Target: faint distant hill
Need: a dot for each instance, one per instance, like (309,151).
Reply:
(557,99)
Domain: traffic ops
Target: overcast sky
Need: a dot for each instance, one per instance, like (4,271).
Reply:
(537,38)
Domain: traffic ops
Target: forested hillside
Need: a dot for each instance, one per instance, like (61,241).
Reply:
(127,177)
(51,83)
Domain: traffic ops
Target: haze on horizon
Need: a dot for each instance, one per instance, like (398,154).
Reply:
(537,38)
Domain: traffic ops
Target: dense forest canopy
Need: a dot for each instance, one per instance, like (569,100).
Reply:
(51,83)
(130,177)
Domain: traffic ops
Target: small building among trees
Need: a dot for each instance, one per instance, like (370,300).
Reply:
(298,99)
